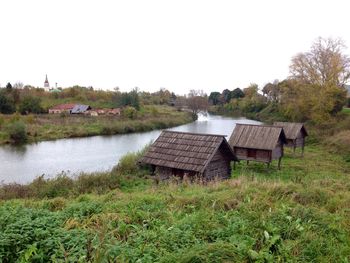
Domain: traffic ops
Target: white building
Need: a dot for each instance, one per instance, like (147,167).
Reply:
(46,84)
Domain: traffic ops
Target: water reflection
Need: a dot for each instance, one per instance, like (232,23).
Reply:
(98,153)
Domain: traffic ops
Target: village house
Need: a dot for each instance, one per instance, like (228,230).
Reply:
(295,134)
(80,109)
(190,155)
(261,143)
(66,108)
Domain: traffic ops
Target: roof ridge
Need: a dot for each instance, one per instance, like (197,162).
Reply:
(287,122)
(194,133)
(259,125)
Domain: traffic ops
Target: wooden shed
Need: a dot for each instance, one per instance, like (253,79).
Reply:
(192,155)
(261,143)
(295,134)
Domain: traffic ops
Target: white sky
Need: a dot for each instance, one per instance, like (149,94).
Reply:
(179,44)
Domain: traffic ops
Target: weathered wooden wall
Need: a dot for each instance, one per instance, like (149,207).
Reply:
(298,142)
(253,154)
(219,167)
(278,151)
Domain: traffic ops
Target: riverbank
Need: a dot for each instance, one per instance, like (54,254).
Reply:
(52,127)
(334,134)
(300,213)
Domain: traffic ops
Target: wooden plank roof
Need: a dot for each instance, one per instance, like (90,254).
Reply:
(264,137)
(291,129)
(186,151)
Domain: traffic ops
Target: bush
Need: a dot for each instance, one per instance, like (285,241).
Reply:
(130,112)
(17,132)
(128,164)
(30,105)
(7,105)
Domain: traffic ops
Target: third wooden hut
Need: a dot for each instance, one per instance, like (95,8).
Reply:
(261,143)
(295,134)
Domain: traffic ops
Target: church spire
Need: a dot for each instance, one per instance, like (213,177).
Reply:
(46,83)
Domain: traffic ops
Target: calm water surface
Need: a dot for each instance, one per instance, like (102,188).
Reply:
(98,153)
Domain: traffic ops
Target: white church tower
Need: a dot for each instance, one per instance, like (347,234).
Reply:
(46,84)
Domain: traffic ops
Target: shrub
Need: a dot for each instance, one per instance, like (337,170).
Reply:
(130,112)
(17,132)
(128,164)
(7,105)
(30,105)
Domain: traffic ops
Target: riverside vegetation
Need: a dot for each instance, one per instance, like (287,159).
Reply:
(31,128)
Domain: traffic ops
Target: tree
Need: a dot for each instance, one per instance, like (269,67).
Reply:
(237,93)
(319,77)
(197,102)
(30,105)
(214,97)
(271,91)
(226,96)
(251,90)
(18,85)
(7,106)
(8,86)
(128,99)
(324,64)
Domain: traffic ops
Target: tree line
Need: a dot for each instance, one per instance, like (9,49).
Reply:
(314,91)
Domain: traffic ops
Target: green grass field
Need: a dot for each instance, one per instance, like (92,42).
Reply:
(298,214)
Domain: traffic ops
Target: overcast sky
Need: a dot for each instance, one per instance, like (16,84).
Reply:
(179,45)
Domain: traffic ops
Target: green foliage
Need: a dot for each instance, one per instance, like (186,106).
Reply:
(17,132)
(214,98)
(128,164)
(130,112)
(225,96)
(131,99)
(30,104)
(237,93)
(7,105)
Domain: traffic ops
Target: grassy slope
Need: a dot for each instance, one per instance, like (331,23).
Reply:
(346,110)
(49,127)
(301,213)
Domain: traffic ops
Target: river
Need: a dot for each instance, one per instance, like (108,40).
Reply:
(98,153)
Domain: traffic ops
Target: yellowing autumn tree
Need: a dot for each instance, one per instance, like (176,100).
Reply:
(319,76)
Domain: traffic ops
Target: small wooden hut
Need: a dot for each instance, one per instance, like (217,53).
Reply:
(192,155)
(261,143)
(295,134)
